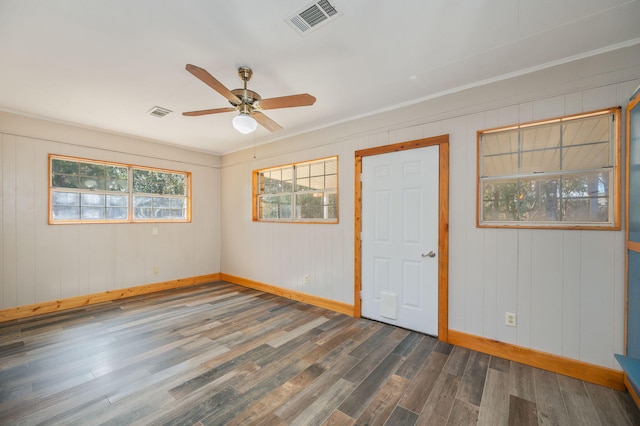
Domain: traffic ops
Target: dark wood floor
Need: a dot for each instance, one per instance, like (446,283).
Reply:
(223,354)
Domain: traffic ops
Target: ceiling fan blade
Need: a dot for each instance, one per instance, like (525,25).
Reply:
(210,81)
(303,99)
(208,111)
(266,122)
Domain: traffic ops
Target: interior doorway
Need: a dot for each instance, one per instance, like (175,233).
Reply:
(401,234)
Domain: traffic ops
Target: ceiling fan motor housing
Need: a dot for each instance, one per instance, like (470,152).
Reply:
(248,97)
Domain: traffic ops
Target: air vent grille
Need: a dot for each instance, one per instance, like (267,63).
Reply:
(312,16)
(159,112)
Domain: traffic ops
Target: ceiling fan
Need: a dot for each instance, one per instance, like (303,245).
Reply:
(247,102)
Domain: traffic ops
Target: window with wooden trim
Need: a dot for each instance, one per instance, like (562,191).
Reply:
(299,192)
(92,191)
(558,173)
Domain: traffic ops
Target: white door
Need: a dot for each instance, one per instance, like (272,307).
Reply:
(400,238)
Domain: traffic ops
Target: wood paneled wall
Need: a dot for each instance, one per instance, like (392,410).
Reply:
(566,287)
(41,262)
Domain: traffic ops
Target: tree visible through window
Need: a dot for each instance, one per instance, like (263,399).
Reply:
(301,192)
(556,173)
(93,191)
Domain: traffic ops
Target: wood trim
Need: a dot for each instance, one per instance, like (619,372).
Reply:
(630,245)
(90,299)
(554,363)
(631,390)
(443,223)
(309,299)
(357,221)
(443,245)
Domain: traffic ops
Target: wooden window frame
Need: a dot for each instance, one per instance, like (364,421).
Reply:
(614,222)
(129,193)
(256,194)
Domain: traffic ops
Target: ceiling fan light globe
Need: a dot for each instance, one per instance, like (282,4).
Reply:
(244,123)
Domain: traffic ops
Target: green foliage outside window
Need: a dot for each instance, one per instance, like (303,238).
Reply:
(301,192)
(85,190)
(557,173)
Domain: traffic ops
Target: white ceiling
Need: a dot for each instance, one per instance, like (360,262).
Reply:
(104,64)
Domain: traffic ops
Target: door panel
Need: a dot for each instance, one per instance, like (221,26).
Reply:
(399,227)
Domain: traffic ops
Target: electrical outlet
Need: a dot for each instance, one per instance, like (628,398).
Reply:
(156,269)
(306,279)
(510,319)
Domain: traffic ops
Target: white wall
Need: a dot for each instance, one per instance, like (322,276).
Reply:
(41,262)
(566,287)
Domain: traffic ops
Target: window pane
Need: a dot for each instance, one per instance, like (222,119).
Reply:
(317,182)
(65,198)
(317,169)
(64,167)
(540,161)
(65,213)
(92,213)
(331,181)
(587,130)
(162,214)
(178,203)
(500,153)
(162,202)
(64,181)
(143,213)
(139,201)
(309,206)
(521,200)
(117,213)
(569,198)
(317,205)
(92,183)
(331,207)
(586,157)
(92,200)
(275,207)
(93,170)
(331,167)
(586,197)
(119,185)
(117,173)
(303,171)
(277,181)
(500,200)
(116,201)
(154,182)
(287,174)
(178,214)
(303,184)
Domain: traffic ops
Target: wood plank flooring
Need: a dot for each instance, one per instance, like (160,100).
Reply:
(220,354)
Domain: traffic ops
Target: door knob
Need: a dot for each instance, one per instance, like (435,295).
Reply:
(430,254)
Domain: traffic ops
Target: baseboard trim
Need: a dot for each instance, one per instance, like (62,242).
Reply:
(90,299)
(320,302)
(554,363)
(631,390)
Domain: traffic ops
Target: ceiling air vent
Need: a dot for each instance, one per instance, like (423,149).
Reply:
(159,112)
(313,16)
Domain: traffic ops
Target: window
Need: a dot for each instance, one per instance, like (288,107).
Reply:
(560,173)
(82,191)
(301,192)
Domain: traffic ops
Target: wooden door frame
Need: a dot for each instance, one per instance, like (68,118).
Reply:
(443,224)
